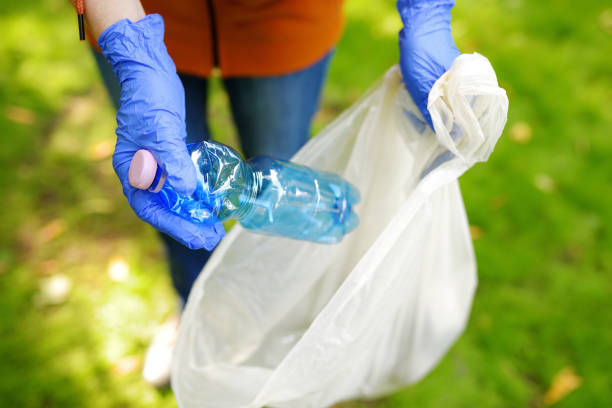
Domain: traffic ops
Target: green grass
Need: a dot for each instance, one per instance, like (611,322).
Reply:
(542,208)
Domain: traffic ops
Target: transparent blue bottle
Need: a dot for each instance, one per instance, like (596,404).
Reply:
(265,195)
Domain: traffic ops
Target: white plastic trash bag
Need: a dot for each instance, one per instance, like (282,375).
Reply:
(281,323)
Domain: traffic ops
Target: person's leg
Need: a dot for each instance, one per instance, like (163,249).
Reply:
(273,114)
(185,264)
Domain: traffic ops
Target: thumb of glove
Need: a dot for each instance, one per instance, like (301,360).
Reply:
(172,156)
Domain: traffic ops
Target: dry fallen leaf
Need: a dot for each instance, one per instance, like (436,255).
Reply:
(564,382)
(520,132)
(101,150)
(476,232)
(48,267)
(51,230)
(82,109)
(20,115)
(126,365)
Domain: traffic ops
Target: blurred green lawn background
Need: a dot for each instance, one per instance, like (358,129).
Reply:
(83,282)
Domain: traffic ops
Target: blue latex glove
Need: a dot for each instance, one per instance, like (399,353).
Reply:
(427,49)
(152,116)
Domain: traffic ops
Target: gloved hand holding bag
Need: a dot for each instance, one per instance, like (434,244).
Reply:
(427,48)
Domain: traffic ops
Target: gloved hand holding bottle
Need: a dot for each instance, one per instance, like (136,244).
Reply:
(427,49)
(266,195)
(152,117)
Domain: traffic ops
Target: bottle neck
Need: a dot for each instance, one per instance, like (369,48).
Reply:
(251,190)
(158,181)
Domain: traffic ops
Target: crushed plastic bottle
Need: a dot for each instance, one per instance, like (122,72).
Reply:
(265,195)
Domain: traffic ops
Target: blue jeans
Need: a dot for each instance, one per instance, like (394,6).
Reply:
(272,115)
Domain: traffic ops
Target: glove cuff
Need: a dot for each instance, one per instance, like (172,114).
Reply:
(141,42)
(417,11)
(412,4)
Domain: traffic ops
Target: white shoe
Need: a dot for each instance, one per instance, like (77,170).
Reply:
(158,359)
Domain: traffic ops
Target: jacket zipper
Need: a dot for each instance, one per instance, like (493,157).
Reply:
(213,33)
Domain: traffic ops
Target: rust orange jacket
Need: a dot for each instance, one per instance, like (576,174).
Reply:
(247,37)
